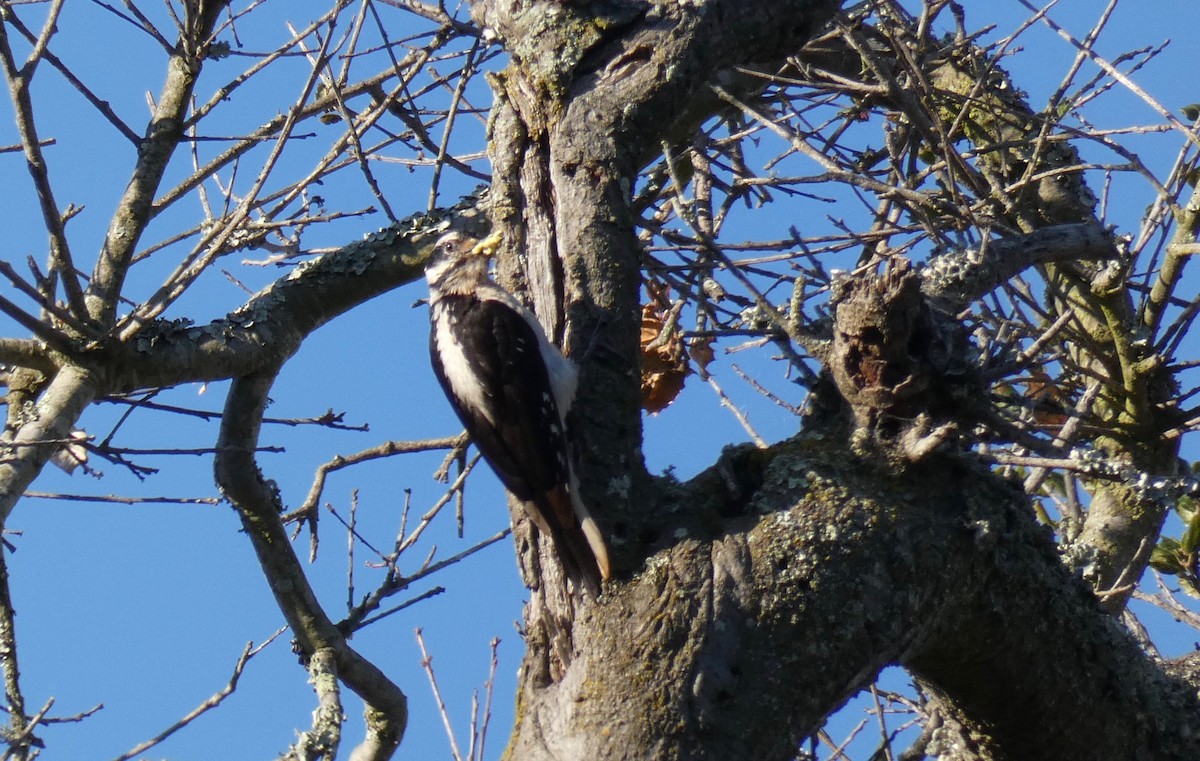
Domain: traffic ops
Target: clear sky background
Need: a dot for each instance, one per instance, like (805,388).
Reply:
(146,608)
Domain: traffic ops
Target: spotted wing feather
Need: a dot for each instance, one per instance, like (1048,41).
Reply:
(487,358)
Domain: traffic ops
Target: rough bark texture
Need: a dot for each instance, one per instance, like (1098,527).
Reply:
(587,99)
(837,569)
(753,600)
(756,599)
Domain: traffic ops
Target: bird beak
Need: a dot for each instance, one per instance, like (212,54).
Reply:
(487,247)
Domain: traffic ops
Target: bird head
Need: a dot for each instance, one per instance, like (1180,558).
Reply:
(459,260)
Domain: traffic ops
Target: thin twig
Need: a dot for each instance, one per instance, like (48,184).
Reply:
(396,583)
(123,500)
(248,652)
(427,665)
(387,449)
(741,417)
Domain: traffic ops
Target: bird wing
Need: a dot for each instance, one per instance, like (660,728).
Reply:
(497,382)
(501,350)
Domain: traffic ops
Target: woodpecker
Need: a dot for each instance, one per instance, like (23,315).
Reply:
(512,390)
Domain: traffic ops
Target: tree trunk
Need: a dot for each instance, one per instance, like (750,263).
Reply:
(756,599)
(737,643)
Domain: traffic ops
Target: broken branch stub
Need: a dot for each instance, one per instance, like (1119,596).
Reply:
(901,365)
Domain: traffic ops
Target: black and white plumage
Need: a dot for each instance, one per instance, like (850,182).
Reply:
(512,390)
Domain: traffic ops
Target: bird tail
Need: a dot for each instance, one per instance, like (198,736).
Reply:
(576,536)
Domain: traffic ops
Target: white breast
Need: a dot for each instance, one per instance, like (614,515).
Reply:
(463,382)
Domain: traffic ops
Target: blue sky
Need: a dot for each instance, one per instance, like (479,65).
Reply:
(145,608)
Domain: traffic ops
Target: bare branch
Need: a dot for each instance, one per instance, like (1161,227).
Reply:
(68,394)
(100,105)
(387,449)
(122,500)
(217,698)
(320,743)
(19,736)
(427,665)
(135,208)
(242,482)
(18,85)
(26,353)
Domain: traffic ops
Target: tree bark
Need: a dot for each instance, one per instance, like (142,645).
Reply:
(737,643)
(759,597)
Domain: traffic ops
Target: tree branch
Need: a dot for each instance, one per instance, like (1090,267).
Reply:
(854,568)
(24,453)
(257,503)
(18,83)
(272,324)
(163,135)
